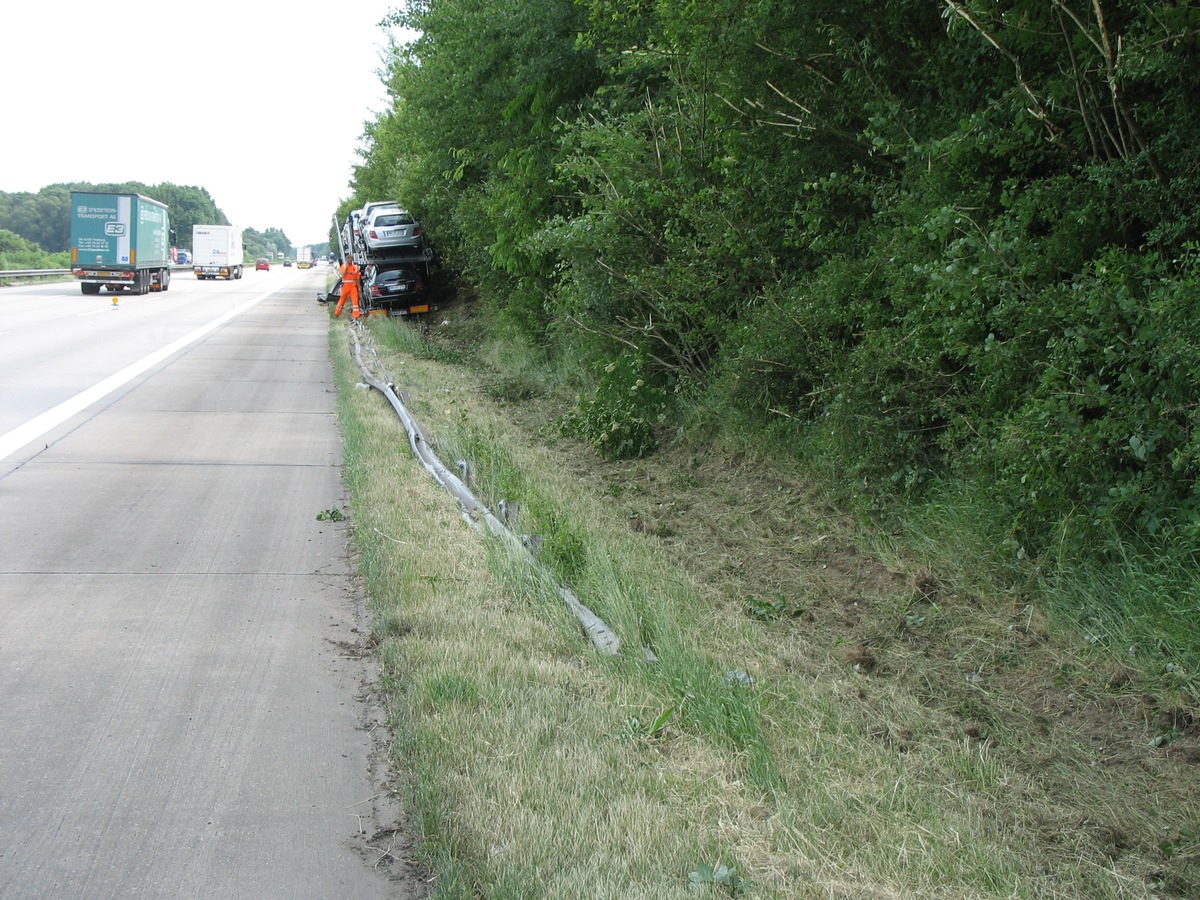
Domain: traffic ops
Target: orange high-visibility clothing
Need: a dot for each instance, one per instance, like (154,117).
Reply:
(350,280)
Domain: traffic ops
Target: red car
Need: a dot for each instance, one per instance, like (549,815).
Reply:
(262,265)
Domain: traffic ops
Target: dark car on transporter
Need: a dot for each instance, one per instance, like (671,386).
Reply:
(398,290)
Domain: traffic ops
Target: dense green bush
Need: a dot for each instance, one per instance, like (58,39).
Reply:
(620,417)
(931,240)
(18,253)
(1109,428)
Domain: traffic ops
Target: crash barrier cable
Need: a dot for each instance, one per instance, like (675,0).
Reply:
(475,513)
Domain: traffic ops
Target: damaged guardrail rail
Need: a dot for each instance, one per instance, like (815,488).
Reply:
(476,514)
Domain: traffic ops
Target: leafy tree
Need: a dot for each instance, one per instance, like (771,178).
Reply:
(45,217)
(266,243)
(189,206)
(935,239)
(471,133)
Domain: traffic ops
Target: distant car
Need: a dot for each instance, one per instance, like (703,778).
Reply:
(399,290)
(303,264)
(287,262)
(262,264)
(391,228)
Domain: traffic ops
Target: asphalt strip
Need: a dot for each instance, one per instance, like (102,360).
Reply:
(33,429)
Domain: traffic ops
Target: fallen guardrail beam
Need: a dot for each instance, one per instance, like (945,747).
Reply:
(475,513)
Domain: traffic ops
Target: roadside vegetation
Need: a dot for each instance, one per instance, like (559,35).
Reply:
(915,241)
(837,707)
(18,253)
(848,347)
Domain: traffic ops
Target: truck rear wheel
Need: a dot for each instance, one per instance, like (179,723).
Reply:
(89,288)
(164,279)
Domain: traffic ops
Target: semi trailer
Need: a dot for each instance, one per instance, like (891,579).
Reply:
(120,242)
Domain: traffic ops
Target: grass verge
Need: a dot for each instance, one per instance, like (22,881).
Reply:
(826,717)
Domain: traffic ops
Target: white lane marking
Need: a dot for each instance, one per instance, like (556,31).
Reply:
(39,425)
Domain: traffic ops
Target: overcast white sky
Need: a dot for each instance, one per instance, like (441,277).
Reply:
(262,102)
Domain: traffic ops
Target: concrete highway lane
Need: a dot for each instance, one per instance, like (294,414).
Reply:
(182,707)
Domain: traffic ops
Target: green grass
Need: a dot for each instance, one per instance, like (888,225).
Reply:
(1142,603)
(877,740)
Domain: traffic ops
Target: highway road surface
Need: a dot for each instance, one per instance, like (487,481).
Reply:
(184,709)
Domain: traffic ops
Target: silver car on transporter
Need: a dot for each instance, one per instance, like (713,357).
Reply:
(391,228)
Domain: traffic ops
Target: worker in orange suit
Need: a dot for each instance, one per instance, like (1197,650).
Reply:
(350,282)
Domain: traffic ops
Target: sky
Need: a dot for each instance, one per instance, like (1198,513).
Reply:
(261,102)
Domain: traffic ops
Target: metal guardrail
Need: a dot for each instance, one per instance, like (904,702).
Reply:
(32,273)
(51,273)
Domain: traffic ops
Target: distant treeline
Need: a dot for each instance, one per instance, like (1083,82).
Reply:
(918,240)
(44,218)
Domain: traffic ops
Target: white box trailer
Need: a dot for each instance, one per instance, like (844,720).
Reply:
(217,251)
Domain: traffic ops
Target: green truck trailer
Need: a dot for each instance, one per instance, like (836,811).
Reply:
(120,242)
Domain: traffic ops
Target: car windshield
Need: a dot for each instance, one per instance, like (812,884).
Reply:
(394,275)
(393,219)
(373,208)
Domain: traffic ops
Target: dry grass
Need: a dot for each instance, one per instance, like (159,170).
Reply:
(905,734)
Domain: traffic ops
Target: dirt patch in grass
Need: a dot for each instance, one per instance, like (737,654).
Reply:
(1115,760)
(1071,717)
